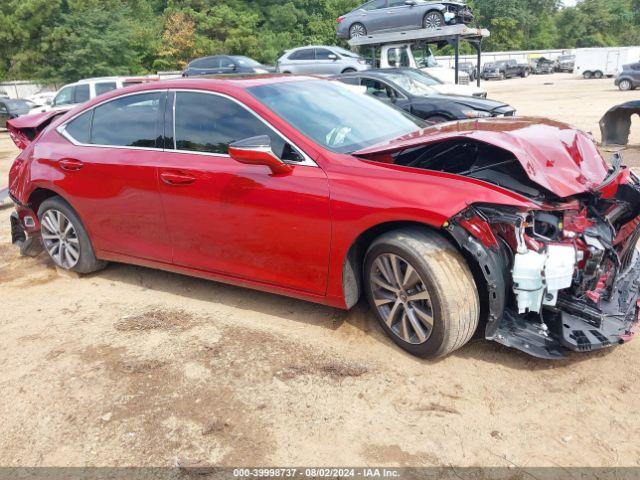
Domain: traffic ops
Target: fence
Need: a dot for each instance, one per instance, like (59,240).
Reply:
(522,56)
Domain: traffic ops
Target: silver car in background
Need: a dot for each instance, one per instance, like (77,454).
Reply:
(383,16)
(320,60)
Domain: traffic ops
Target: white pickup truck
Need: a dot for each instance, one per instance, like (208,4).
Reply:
(407,55)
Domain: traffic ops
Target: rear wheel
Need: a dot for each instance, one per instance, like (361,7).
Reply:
(433,20)
(357,30)
(598,75)
(502,76)
(624,85)
(65,238)
(422,292)
(587,75)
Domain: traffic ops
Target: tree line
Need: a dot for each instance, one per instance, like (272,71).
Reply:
(66,40)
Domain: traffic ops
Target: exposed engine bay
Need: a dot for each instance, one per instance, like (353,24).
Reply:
(564,275)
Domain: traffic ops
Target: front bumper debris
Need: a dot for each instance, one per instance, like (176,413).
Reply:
(27,240)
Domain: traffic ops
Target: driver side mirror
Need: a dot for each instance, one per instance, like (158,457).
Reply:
(257,151)
(410,3)
(332,56)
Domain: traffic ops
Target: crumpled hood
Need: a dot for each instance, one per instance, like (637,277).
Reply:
(554,155)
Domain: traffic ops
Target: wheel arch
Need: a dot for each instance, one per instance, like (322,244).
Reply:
(353,261)
(39,195)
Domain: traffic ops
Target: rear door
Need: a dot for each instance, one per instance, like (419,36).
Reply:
(108,169)
(402,16)
(241,220)
(375,16)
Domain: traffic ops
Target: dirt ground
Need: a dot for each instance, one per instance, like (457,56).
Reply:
(135,367)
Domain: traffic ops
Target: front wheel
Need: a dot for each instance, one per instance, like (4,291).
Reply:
(422,292)
(624,85)
(65,238)
(433,20)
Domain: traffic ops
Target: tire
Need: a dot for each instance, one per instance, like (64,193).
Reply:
(587,75)
(598,75)
(349,70)
(75,239)
(357,30)
(525,73)
(502,76)
(433,19)
(625,85)
(445,292)
(286,73)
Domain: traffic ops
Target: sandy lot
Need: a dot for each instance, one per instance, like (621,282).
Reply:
(132,366)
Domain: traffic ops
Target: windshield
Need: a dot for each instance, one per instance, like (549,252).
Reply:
(335,117)
(424,58)
(413,81)
(247,62)
(345,53)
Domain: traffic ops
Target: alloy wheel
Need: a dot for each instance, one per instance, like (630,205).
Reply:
(625,85)
(402,299)
(60,238)
(357,30)
(432,20)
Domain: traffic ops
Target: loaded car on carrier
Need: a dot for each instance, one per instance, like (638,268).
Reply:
(515,227)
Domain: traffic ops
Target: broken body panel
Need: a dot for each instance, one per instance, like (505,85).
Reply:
(563,274)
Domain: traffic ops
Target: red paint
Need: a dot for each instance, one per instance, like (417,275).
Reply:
(217,218)
(480,230)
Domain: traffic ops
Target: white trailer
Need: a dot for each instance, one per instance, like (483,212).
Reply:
(604,62)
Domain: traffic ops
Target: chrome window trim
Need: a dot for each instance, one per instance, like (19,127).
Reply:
(307,159)
(61,129)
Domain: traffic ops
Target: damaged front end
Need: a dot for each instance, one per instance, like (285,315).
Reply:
(560,271)
(564,277)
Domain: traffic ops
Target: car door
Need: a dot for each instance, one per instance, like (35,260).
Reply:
(4,114)
(385,92)
(402,16)
(204,66)
(635,72)
(108,170)
(373,16)
(241,220)
(327,62)
(302,61)
(227,66)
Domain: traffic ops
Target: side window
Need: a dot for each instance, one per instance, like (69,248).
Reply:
(127,121)
(305,54)
(397,3)
(64,97)
(375,5)
(206,63)
(323,54)
(376,88)
(226,63)
(636,66)
(80,127)
(398,57)
(3,108)
(209,123)
(351,80)
(105,87)
(81,93)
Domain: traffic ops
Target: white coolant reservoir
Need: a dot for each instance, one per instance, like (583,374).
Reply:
(559,268)
(537,277)
(528,285)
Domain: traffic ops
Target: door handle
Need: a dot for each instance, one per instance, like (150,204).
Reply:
(70,164)
(177,178)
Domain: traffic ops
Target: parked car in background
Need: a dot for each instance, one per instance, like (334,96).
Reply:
(77,93)
(515,228)
(10,108)
(542,66)
(468,68)
(566,63)
(412,90)
(320,59)
(42,98)
(382,16)
(503,69)
(223,64)
(629,77)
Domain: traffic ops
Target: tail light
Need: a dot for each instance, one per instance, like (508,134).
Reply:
(18,136)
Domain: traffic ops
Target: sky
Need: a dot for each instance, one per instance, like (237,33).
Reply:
(569,3)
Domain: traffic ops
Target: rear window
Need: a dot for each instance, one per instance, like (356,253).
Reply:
(105,87)
(127,121)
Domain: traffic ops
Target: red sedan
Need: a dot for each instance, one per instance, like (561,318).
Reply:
(304,187)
